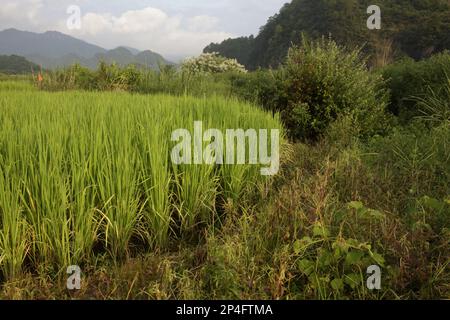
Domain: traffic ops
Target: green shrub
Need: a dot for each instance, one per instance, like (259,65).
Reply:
(322,82)
(408,78)
(391,172)
(263,87)
(111,77)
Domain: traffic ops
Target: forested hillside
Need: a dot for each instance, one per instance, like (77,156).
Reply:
(415,28)
(16,65)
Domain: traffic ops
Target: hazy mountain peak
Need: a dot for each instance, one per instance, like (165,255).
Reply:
(55,49)
(121,50)
(132,50)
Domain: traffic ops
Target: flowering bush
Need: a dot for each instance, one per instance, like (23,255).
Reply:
(211,63)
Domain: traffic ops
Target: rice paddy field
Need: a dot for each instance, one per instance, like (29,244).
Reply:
(87,179)
(84,174)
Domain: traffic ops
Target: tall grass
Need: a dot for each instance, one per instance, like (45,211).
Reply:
(435,107)
(84,173)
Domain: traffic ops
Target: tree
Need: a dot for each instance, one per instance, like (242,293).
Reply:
(415,28)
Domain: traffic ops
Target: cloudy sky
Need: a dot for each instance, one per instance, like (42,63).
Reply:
(174,28)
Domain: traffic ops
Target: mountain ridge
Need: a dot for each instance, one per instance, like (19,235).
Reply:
(53,49)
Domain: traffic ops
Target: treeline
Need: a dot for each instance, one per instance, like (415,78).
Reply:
(416,29)
(16,65)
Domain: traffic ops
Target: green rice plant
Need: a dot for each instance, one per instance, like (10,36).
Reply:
(14,239)
(196,191)
(85,220)
(156,177)
(89,173)
(117,182)
(10,85)
(46,192)
(196,185)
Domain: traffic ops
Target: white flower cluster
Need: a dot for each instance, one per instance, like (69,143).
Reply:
(211,63)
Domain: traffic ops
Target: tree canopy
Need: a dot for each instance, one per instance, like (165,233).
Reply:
(414,28)
(16,65)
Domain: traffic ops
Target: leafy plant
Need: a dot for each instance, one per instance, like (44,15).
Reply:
(335,266)
(323,81)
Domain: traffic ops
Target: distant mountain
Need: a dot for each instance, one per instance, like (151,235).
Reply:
(16,65)
(124,56)
(50,44)
(151,59)
(132,50)
(54,49)
(119,55)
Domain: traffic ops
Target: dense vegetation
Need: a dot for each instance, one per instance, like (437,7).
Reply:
(319,83)
(93,170)
(409,28)
(409,80)
(16,65)
(365,180)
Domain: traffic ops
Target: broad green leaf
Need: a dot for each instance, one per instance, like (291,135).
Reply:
(433,203)
(357,205)
(297,247)
(337,284)
(320,231)
(306,266)
(354,257)
(353,280)
(353,242)
(325,258)
(340,248)
(302,244)
(378,258)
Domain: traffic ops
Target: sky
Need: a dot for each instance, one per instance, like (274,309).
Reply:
(174,28)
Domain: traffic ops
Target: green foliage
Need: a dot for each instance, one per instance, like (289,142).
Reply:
(263,87)
(418,158)
(435,106)
(415,28)
(105,78)
(408,79)
(239,49)
(323,82)
(168,80)
(334,266)
(319,84)
(16,65)
(15,85)
(103,185)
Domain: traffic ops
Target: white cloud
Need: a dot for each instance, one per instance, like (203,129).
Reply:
(21,14)
(94,24)
(150,28)
(173,28)
(145,20)
(202,23)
